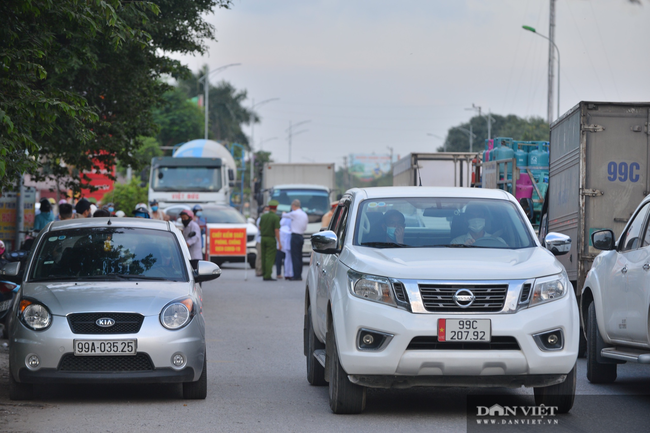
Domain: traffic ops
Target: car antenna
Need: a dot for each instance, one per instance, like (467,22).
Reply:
(109,222)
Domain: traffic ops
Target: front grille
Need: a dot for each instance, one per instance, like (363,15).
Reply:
(139,362)
(400,293)
(125,323)
(250,238)
(439,297)
(431,343)
(525,293)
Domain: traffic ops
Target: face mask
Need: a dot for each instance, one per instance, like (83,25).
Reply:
(111,209)
(154,208)
(476,224)
(199,213)
(390,231)
(185,222)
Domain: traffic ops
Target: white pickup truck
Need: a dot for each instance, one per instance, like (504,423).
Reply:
(616,298)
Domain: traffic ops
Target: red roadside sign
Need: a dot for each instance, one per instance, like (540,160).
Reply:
(227,241)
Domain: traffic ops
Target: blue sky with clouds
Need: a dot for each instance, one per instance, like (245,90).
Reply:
(373,74)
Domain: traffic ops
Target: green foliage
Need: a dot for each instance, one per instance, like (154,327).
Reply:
(81,78)
(150,148)
(531,129)
(126,195)
(179,120)
(226,111)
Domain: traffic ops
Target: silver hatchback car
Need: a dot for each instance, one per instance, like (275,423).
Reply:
(109,300)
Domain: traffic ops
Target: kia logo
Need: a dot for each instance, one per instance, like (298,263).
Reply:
(464,298)
(105,322)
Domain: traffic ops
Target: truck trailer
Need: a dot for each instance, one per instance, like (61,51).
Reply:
(434,169)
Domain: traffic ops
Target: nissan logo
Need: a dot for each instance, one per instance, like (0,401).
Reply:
(464,298)
(105,322)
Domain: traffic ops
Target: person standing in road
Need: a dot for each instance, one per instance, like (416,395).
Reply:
(83,209)
(192,234)
(284,255)
(157,214)
(45,217)
(270,232)
(258,244)
(65,211)
(299,222)
(200,220)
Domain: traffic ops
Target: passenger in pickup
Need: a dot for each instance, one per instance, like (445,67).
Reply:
(393,226)
(477,217)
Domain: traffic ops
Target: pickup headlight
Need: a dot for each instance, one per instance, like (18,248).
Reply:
(177,314)
(372,288)
(34,315)
(551,288)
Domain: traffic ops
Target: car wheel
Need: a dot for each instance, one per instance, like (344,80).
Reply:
(561,395)
(251,260)
(315,371)
(345,397)
(197,390)
(596,372)
(18,390)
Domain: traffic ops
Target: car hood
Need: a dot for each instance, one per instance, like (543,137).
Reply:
(144,297)
(452,263)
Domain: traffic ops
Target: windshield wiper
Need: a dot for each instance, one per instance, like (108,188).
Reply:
(461,246)
(383,245)
(122,277)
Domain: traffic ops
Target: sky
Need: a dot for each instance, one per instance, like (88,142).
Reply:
(368,76)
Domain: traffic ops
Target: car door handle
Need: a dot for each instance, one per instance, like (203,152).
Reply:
(624,270)
(646,267)
(317,263)
(324,271)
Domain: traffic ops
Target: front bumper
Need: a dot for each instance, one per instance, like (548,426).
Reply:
(158,343)
(397,363)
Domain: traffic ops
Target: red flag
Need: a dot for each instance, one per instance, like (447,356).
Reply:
(442,325)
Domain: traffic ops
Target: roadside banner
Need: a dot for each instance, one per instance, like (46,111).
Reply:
(8,214)
(227,240)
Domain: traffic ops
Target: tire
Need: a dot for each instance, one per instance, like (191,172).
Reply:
(582,346)
(251,261)
(344,396)
(561,395)
(197,390)
(18,390)
(596,372)
(315,371)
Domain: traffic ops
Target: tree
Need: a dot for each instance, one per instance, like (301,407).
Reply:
(81,78)
(179,120)
(531,129)
(226,111)
(126,195)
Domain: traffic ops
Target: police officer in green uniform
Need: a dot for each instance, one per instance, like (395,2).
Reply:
(270,233)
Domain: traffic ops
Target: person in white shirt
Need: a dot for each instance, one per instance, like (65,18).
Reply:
(299,222)
(284,254)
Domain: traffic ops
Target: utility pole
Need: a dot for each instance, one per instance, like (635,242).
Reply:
(252,151)
(551,60)
(206,88)
(391,158)
(488,118)
(291,133)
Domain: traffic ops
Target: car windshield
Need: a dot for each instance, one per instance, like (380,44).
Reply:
(441,222)
(315,202)
(224,215)
(108,254)
(186,179)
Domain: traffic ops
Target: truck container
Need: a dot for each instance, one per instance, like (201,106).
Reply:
(598,176)
(278,173)
(434,169)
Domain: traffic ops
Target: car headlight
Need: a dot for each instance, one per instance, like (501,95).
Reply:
(177,314)
(372,288)
(34,315)
(549,289)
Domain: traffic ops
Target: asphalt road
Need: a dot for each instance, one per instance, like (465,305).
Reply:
(257,383)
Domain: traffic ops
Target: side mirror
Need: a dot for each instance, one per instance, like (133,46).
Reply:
(231,175)
(527,206)
(206,271)
(557,243)
(11,269)
(324,242)
(603,240)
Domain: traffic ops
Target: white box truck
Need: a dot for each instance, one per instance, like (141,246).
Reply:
(434,169)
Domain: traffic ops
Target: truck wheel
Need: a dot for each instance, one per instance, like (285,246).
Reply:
(561,395)
(197,390)
(18,390)
(596,372)
(345,397)
(315,371)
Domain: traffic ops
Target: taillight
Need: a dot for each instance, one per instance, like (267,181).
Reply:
(6,287)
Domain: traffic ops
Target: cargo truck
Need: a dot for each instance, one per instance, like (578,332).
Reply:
(434,169)
(598,176)
(313,184)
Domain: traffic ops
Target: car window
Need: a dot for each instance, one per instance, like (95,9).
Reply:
(441,222)
(104,253)
(631,239)
(336,218)
(341,228)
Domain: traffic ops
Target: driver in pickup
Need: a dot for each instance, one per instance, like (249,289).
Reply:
(394,224)
(476,216)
